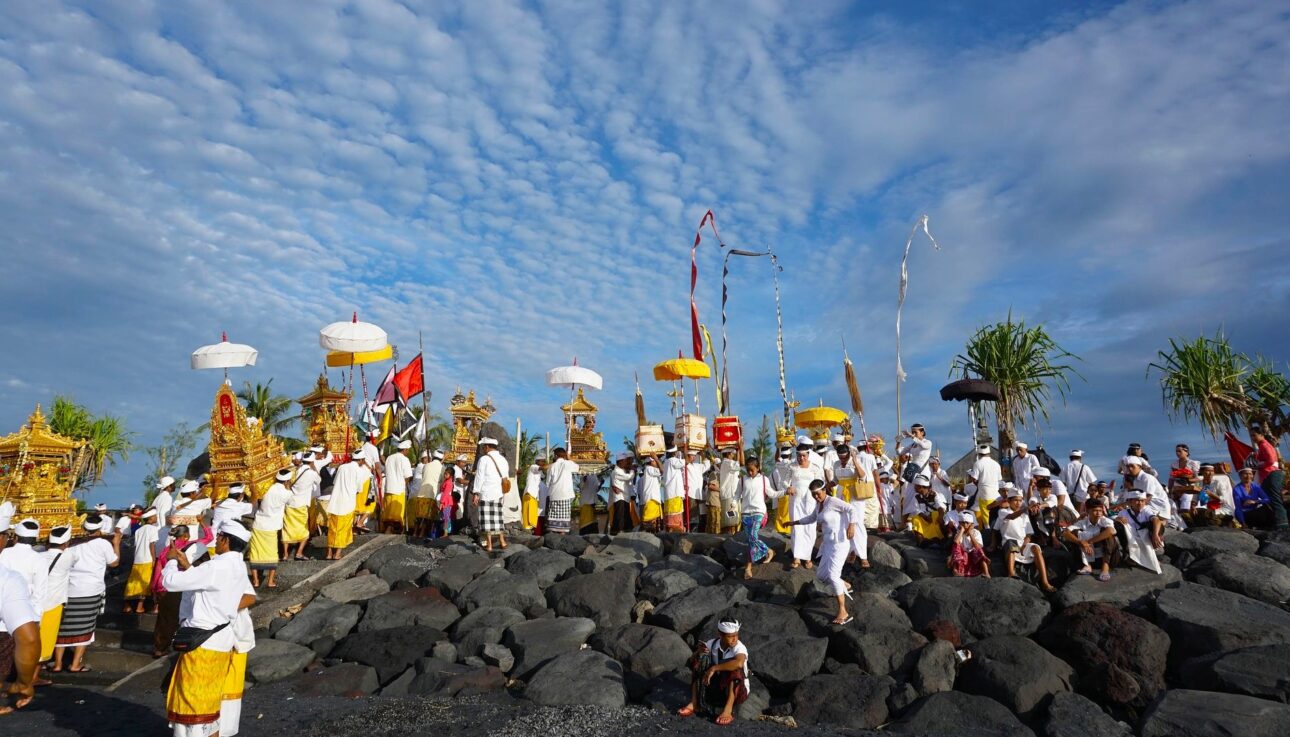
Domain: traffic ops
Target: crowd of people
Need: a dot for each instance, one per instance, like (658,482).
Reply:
(197,562)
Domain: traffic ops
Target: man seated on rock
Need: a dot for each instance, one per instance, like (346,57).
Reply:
(1139,528)
(1093,537)
(924,511)
(1015,531)
(719,675)
(1214,501)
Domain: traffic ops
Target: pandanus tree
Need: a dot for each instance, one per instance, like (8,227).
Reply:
(1028,367)
(1207,380)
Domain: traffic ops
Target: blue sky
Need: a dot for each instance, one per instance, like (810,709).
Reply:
(521,183)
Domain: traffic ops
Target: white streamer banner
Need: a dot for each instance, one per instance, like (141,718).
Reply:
(904,285)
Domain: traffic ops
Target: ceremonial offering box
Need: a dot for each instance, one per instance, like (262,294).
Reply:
(727,432)
(39,470)
(325,414)
(241,451)
(692,430)
(649,440)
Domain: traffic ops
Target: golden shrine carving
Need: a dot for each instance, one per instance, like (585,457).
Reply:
(39,471)
(467,420)
(241,451)
(586,445)
(325,415)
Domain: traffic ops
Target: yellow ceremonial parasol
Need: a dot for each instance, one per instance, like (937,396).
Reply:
(821,416)
(344,359)
(675,369)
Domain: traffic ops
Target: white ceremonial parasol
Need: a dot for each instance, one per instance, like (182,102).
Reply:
(224,355)
(352,336)
(574,376)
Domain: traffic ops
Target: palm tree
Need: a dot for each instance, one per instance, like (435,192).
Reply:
(107,438)
(763,444)
(1206,379)
(1026,365)
(273,410)
(530,449)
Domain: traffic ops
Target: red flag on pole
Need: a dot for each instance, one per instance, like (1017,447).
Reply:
(411,380)
(387,393)
(1237,449)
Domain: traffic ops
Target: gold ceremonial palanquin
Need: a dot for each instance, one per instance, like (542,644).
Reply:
(467,420)
(325,414)
(240,451)
(38,472)
(586,446)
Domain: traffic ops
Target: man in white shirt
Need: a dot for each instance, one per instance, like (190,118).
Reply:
(164,499)
(695,468)
(22,558)
(425,490)
(213,594)
(138,586)
(295,519)
(729,470)
(719,674)
(674,495)
(940,481)
(1139,531)
(620,502)
(269,511)
(1024,465)
(558,511)
(1093,538)
(58,564)
(232,507)
(398,474)
(7,511)
(649,493)
(1078,477)
(917,448)
(18,617)
(1015,529)
(492,472)
(534,495)
(1157,499)
(1217,488)
(347,485)
(989,477)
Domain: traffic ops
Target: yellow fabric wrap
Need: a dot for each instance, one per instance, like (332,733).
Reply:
(235,681)
(264,548)
(928,529)
(139,584)
(653,510)
(586,515)
(361,505)
(421,507)
(529,512)
(784,515)
(393,507)
(340,530)
(295,524)
(49,622)
(983,515)
(197,686)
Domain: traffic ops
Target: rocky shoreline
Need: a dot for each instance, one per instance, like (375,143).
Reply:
(590,635)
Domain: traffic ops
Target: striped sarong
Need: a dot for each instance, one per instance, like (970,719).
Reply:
(197,687)
(80,618)
(263,554)
(558,515)
(490,516)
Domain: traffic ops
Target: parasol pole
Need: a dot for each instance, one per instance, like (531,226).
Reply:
(517,447)
(900,304)
(548,447)
(425,403)
(779,331)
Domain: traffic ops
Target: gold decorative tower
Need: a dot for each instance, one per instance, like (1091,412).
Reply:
(586,446)
(240,451)
(325,414)
(38,472)
(467,419)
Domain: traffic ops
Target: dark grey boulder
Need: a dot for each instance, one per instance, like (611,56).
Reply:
(440,678)
(1201,620)
(395,563)
(935,669)
(878,650)
(497,587)
(538,640)
(605,598)
(544,565)
(658,584)
(574,545)
(1202,542)
(1278,550)
(1187,713)
(758,623)
(920,563)
(1120,658)
(1014,671)
(1128,587)
(958,714)
(1251,575)
(350,680)
(584,677)
(847,701)
(497,655)
(1262,671)
(685,612)
(644,544)
(389,651)
(979,607)
(867,611)
(320,618)
(425,607)
(1072,715)
(878,579)
(275,660)
(358,588)
(482,627)
(784,662)
(643,649)
(452,575)
(598,562)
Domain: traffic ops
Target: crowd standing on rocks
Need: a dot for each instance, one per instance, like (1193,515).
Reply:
(879,593)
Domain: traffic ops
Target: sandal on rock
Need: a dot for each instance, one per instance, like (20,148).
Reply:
(82,669)
(685,711)
(1086,570)
(844,622)
(864,564)
(1104,577)
(724,720)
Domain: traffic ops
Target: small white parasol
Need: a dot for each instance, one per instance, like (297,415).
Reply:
(224,355)
(574,376)
(352,336)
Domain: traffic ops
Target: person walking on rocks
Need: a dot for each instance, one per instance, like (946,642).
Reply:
(86,591)
(398,474)
(19,638)
(719,675)
(350,480)
(835,517)
(269,514)
(295,519)
(852,482)
(649,487)
(802,476)
(560,493)
(754,490)
(491,476)
(58,565)
(138,586)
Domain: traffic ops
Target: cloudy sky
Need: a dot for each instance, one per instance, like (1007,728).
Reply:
(521,181)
